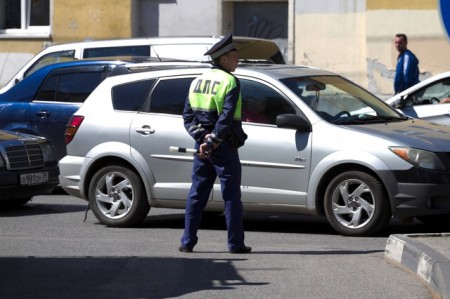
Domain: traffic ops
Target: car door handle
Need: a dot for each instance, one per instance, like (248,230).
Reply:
(43,113)
(145,130)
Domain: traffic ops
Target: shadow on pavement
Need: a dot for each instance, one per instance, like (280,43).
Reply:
(32,208)
(116,277)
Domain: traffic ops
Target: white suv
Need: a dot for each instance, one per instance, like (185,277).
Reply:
(187,48)
(321,146)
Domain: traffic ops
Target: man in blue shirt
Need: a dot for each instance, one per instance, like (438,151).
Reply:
(407,70)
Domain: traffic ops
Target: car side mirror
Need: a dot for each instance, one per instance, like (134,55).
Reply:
(405,101)
(292,121)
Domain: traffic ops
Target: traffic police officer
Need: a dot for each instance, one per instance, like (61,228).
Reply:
(212,116)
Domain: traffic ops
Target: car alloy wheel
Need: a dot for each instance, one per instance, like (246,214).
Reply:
(356,205)
(117,197)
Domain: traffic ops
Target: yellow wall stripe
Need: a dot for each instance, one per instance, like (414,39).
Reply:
(401,4)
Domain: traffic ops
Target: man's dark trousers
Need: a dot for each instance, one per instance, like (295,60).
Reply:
(223,163)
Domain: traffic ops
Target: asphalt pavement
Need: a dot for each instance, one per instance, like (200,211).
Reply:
(426,255)
(48,248)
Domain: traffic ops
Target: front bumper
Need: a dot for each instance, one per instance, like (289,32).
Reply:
(419,192)
(10,187)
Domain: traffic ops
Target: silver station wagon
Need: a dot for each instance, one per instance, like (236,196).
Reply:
(317,144)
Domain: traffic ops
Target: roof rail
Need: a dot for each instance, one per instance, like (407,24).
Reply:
(131,68)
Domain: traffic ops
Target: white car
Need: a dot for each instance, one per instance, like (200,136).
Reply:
(429,100)
(186,48)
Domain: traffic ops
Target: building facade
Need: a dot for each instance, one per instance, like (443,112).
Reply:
(350,37)
(355,38)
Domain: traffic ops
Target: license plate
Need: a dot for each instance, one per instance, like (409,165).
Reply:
(33,178)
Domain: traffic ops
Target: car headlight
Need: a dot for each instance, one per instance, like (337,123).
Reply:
(421,158)
(47,151)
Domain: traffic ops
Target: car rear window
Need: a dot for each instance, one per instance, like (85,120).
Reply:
(170,95)
(131,96)
(70,87)
(117,51)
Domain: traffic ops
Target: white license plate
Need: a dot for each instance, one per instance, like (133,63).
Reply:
(33,178)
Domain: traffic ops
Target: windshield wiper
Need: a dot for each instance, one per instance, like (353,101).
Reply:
(382,118)
(366,119)
(347,121)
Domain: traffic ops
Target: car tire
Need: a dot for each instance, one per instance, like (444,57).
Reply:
(117,197)
(356,204)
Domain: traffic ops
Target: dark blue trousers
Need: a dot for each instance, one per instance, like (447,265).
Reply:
(223,163)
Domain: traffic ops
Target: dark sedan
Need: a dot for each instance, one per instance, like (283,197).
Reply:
(28,167)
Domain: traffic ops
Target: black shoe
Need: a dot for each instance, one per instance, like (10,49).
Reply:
(184,249)
(245,249)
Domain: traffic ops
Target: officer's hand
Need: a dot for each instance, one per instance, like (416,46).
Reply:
(206,139)
(204,151)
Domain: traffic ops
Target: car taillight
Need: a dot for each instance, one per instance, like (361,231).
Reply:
(72,127)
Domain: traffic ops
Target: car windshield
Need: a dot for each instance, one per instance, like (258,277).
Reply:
(340,101)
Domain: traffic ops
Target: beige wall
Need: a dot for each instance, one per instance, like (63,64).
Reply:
(87,19)
(335,42)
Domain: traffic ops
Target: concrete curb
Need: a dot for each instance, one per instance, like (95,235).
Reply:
(431,266)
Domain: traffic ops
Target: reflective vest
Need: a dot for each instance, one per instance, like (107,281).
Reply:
(208,91)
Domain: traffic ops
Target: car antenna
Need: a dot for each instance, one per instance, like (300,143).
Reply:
(151,46)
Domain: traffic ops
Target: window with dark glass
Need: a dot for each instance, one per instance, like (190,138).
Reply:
(39,12)
(261,103)
(170,95)
(117,51)
(76,87)
(70,87)
(48,90)
(10,14)
(131,96)
(33,13)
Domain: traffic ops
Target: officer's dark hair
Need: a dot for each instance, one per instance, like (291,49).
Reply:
(217,59)
(402,35)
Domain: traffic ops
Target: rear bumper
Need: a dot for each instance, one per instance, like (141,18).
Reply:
(69,177)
